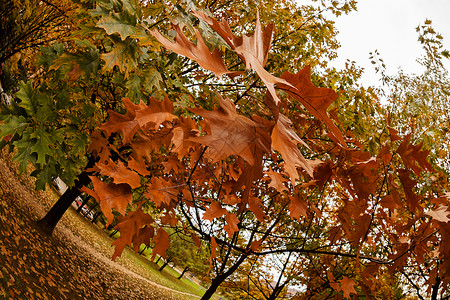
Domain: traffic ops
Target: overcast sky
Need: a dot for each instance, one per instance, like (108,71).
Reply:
(390,27)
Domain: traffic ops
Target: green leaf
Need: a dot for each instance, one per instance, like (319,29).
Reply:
(26,94)
(152,79)
(23,155)
(12,125)
(114,24)
(41,146)
(124,55)
(44,176)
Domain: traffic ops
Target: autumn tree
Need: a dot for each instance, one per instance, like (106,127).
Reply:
(243,145)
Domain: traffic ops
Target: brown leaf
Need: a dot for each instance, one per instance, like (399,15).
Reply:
(161,240)
(231,133)
(124,123)
(255,206)
(144,236)
(297,207)
(232,224)
(316,100)
(138,167)
(112,196)
(408,186)
(347,285)
(130,228)
(440,214)
(199,53)
(187,128)
(120,173)
(253,50)
(213,248)
(157,112)
(157,191)
(276,180)
(214,211)
(285,140)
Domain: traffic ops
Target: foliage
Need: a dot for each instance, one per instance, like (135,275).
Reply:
(227,130)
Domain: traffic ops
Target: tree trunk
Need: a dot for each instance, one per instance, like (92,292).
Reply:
(164,265)
(182,273)
(216,282)
(48,223)
(158,260)
(96,216)
(143,249)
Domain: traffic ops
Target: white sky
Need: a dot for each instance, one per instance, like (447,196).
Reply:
(389,26)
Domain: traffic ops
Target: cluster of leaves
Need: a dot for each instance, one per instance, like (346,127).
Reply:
(230,139)
(240,180)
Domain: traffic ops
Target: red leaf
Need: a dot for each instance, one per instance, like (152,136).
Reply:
(231,133)
(214,211)
(144,236)
(285,140)
(276,180)
(408,186)
(120,173)
(232,224)
(316,100)
(347,285)
(199,53)
(161,241)
(112,196)
(297,207)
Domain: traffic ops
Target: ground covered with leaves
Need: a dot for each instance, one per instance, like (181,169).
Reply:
(34,266)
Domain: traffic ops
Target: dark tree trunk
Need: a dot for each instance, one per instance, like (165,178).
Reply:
(158,260)
(143,249)
(113,233)
(216,282)
(48,223)
(182,273)
(96,216)
(164,265)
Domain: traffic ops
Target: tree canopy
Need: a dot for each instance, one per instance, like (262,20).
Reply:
(209,119)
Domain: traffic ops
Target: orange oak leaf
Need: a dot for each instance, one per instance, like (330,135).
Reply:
(276,180)
(408,186)
(347,285)
(156,112)
(232,224)
(90,193)
(144,236)
(285,140)
(161,240)
(124,123)
(297,207)
(187,128)
(129,228)
(198,52)
(112,196)
(316,100)
(255,245)
(440,214)
(253,50)
(157,191)
(255,206)
(138,167)
(215,210)
(231,133)
(213,248)
(120,173)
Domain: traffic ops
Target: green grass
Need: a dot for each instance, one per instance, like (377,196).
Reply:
(140,264)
